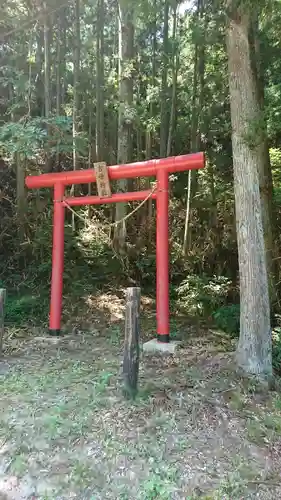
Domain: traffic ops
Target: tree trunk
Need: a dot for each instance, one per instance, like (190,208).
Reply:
(47,76)
(47,97)
(19,163)
(254,347)
(196,110)
(198,89)
(75,112)
(164,85)
(29,92)
(149,135)
(21,194)
(64,17)
(100,83)
(58,67)
(125,116)
(2,318)
(264,167)
(39,69)
(149,131)
(59,48)
(174,84)
(76,74)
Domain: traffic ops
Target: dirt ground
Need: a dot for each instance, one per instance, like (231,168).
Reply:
(196,430)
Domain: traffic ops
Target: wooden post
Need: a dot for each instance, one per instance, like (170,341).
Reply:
(2,304)
(131,347)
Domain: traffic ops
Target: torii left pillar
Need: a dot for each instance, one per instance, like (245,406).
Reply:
(57,260)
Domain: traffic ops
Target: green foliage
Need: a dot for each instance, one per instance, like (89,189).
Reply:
(201,295)
(89,259)
(277,196)
(89,262)
(31,137)
(275,160)
(273,96)
(276,350)
(256,131)
(227,318)
(26,309)
(146,265)
(22,138)
(159,485)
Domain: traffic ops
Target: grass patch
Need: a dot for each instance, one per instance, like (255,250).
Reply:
(24,309)
(115,336)
(264,426)
(84,475)
(77,393)
(161,484)
(236,484)
(277,403)
(256,432)
(235,399)
(19,465)
(232,487)
(65,419)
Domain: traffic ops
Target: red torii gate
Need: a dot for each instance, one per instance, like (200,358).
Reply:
(160,168)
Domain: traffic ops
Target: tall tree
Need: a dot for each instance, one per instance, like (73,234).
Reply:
(264,167)
(47,63)
(59,57)
(47,75)
(254,347)
(199,34)
(75,106)
(175,67)
(164,123)
(126,112)
(39,83)
(150,128)
(76,75)
(100,82)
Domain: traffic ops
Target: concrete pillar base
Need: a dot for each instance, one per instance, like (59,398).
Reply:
(155,347)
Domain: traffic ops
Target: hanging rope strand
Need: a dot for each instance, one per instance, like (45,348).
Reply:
(187,214)
(121,221)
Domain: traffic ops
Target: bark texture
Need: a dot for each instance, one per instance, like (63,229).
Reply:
(197,106)
(100,83)
(264,166)
(164,118)
(254,347)
(76,74)
(175,61)
(126,112)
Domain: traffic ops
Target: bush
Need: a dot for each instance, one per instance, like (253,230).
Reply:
(201,295)
(25,309)
(227,318)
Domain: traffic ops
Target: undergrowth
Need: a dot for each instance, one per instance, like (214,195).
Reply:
(227,318)
(276,350)
(91,265)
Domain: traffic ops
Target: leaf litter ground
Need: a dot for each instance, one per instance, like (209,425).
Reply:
(196,430)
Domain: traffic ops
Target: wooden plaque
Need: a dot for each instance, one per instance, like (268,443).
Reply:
(102,179)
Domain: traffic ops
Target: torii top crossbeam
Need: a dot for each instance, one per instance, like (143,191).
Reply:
(147,168)
(159,168)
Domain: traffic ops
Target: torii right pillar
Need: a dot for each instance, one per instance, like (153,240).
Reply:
(162,343)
